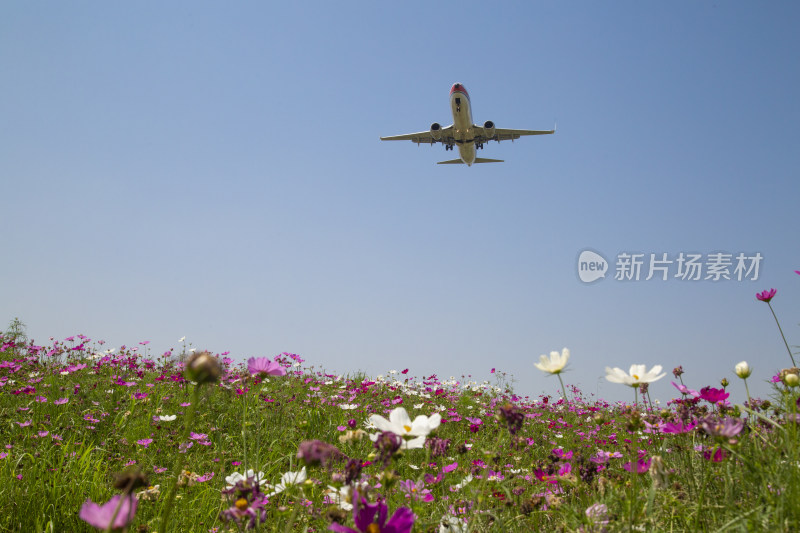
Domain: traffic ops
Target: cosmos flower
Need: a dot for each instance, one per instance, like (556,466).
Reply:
(638,374)
(686,390)
(416,490)
(289,478)
(236,477)
(678,427)
(555,363)
(100,516)
(372,517)
(727,427)
(743,370)
(399,423)
(265,367)
(712,395)
(766,296)
(640,467)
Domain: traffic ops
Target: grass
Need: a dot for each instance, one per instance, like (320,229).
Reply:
(74,417)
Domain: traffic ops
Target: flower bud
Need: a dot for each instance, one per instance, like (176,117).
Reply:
(743,370)
(791,380)
(202,367)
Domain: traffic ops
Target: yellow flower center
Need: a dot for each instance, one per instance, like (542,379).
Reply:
(241,504)
(373,528)
(407,428)
(636,377)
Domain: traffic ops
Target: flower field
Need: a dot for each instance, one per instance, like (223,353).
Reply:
(94,438)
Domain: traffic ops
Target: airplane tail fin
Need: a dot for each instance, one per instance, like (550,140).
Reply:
(477,160)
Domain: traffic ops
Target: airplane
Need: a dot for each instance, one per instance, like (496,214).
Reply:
(463,133)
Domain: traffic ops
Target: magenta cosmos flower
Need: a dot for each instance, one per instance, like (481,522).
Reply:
(100,516)
(766,296)
(371,518)
(264,365)
(712,395)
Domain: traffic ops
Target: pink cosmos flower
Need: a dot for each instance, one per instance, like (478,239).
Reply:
(60,401)
(559,452)
(640,467)
(264,366)
(416,491)
(685,390)
(766,296)
(449,468)
(712,395)
(727,427)
(100,516)
(603,457)
(144,442)
(678,427)
(206,477)
(366,521)
(715,455)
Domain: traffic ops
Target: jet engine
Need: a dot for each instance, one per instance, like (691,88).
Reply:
(488,129)
(436,131)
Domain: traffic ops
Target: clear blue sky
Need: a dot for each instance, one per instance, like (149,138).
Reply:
(214,170)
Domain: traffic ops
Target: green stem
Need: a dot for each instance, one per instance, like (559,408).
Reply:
(782,335)
(177,466)
(244,426)
(747,389)
(563,388)
(116,512)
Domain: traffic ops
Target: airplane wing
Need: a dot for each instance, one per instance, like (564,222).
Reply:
(424,137)
(503,134)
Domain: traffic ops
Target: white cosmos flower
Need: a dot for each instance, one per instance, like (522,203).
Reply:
(289,478)
(463,483)
(413,432)
(638,374)
(743,370)
(167,418)
(553,364)
(348,406)
(341,497)
(236,477)
(182,339)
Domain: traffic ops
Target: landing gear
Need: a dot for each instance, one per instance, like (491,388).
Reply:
(448,147)
(479,146)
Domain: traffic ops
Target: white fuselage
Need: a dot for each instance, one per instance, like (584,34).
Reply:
(462,123)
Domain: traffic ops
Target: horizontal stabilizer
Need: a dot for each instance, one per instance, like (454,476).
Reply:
(477,160)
